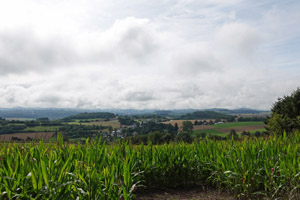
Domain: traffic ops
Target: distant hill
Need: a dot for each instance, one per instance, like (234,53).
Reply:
(246,111)
(59,113)
(236,111)
(93,115)
(205,115)
(35,113)
(163,113)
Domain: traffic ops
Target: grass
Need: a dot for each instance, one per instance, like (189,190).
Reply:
(42,128)
(237,124)
(209,132)
(230,125)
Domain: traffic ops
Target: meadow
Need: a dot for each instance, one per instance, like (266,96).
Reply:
(42,128)
(224,129)
(252,168)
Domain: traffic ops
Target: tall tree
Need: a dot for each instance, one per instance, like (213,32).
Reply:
(187,126)
(285,114)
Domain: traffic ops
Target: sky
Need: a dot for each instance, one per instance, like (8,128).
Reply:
(141,54)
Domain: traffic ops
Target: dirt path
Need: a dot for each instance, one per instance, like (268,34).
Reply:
(185,194)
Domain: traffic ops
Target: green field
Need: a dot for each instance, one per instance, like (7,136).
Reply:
(237,124)
(42,128)
(209,132)
(216,129)
(250,169)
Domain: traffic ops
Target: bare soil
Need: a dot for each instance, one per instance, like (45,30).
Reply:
(23,136)
(186,194)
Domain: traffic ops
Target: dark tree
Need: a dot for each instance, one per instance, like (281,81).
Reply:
(285,115)
(184,137)
(187,126)
(245,133)
(176,127)
(233,134)
(156,137)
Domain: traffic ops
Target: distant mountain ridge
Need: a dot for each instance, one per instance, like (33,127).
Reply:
(59,113)
(91,115)
(206,114)
(237,111)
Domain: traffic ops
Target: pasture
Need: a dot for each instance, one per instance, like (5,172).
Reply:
(224,129)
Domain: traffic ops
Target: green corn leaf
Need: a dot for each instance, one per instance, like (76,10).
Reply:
(44,171)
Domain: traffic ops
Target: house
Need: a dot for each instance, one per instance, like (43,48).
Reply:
(219,123)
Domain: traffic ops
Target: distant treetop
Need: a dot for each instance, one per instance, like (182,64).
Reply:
(285,114)
(206,115)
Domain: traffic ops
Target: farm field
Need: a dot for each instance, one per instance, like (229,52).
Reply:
(237,124)
(251,169)
(209,132)
(42,128)
(113,122)
(23,136)
(223,129)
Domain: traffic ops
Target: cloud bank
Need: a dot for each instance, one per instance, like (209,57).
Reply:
(158,55)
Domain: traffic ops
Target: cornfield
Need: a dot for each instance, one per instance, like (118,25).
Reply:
(251,169)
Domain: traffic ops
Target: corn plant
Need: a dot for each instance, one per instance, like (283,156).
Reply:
(253,168)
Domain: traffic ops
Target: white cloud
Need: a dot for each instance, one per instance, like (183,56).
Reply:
(238,39)
(165,55)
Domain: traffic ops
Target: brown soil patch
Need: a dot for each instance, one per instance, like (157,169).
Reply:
(23,136)
(242,128)
(186,194)
(227,130)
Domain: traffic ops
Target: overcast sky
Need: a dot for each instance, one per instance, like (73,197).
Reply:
(155,54)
